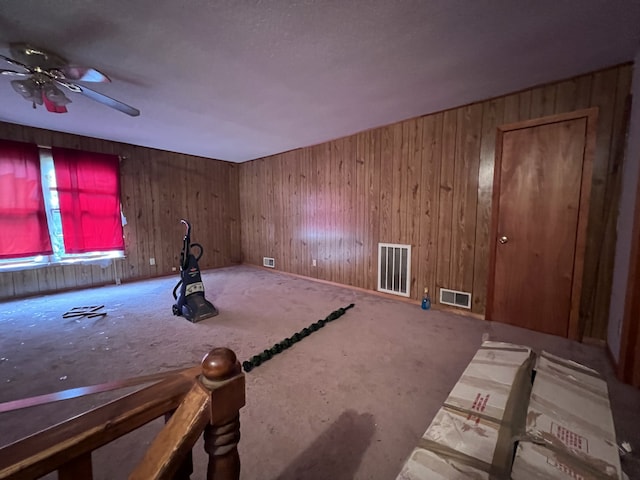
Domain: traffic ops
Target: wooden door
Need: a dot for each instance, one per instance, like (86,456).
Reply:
(540,208)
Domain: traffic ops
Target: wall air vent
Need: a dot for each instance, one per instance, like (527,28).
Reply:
(394,268)
(455,298)
(269,262)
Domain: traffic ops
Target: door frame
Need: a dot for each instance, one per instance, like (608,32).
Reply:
(628,367)
(591,114)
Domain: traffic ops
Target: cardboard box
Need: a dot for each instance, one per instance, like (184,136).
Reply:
(569,426)
(424,464)
(472,435)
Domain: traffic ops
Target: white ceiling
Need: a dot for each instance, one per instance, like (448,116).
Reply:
(239,79)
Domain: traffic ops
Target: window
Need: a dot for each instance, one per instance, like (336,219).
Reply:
(83,218)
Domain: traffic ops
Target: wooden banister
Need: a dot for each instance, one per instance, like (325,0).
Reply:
(175,440)
(212,405)
(208,403)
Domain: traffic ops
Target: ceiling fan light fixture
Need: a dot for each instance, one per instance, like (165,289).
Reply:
(51,106)
(29,90)
(55,95)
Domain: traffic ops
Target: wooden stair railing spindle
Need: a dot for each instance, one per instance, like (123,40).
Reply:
(222,376)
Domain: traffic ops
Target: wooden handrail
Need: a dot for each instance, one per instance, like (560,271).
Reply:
(84,391)
(203,399)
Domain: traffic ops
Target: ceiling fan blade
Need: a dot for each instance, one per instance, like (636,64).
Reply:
(13,73)
(15,62)
(99,97)
(83,74)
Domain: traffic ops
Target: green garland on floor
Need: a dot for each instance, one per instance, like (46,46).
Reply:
(259,359)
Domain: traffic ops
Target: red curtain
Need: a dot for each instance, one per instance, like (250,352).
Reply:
(23,219)
(89,192)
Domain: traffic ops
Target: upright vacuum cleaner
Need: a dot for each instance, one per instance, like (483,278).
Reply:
(190,301)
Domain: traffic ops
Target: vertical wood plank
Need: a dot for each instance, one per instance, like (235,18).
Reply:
(127,185)
(283,181)
(566,96)
(415,148)
(526,102)
(69,274)
(403,191)
(397,193)
(492,116)
(386,184)
(597,328)
(251,200)
(143,215)
(258,208)
(46,279)
(155,231)
(314,211)
(542,102)
(603,91)
(163,219)
(349,223)
(335,232)
(323,167)
(374,211)
(445,204)
(511,108)
(7,289)
(583,91)
(431,160)
(361,205)
(304,266)
(465,194)
(232,227)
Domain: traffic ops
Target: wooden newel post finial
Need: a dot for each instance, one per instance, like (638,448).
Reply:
(222,376)
(219,364)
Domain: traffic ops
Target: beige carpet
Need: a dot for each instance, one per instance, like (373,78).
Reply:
(348,402)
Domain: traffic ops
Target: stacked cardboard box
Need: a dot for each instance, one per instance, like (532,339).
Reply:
(561,423)
(472,434)
(569,430)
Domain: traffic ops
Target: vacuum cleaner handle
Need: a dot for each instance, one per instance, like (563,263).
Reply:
(188,226)
(186,245)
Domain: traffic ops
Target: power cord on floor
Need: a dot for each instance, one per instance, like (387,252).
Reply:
(267,354)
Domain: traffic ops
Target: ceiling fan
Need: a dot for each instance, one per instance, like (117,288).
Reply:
(44,72)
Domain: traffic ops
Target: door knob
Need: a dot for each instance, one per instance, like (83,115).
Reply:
(503,239)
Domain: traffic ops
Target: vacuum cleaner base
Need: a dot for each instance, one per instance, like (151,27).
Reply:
(195,309)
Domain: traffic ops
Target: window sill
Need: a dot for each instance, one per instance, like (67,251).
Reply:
(104,259)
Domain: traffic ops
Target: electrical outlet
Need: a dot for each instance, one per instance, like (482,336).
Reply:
(152,261)
(173,269)
(313,262)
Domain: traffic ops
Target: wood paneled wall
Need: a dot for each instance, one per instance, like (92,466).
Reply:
(158,188)
(426,182)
